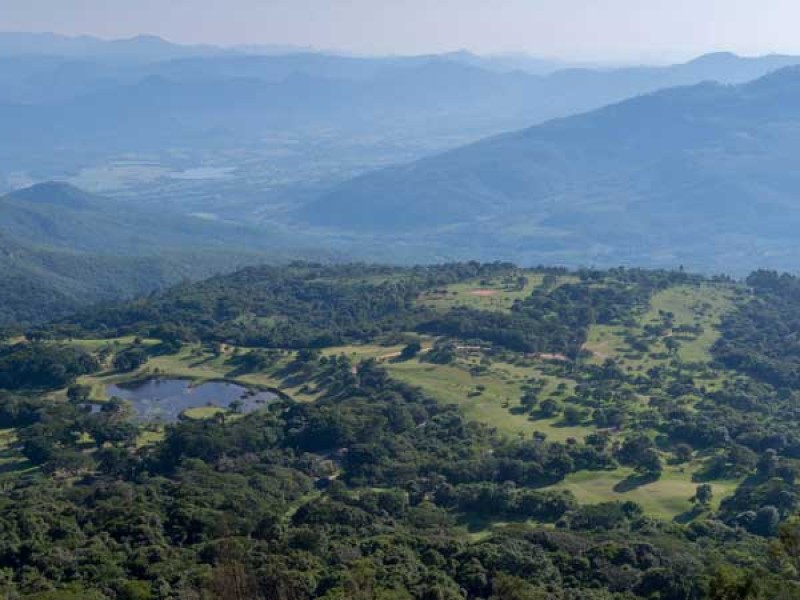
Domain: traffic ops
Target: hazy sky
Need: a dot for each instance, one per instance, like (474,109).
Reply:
(584,29)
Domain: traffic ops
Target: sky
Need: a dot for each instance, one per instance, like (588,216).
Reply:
(597,30)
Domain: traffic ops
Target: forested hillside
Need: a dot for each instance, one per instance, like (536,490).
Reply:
(62,249)
(463,431)
(698,175)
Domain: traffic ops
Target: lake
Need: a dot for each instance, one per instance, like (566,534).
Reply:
(164,400)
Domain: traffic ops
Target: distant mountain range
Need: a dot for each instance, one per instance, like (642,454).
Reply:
(702,175)
(68,104)
(699,174)
(147,48)
(138,48)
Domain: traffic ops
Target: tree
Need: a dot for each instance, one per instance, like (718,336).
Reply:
(529,401)
(703,495)
(410,351)
(650,463)
(130,359)
(730,583)
(79,394)
(549,408)
(768,463)
(574,415)
(683,453)
(766,522)
(508,587)
(672,345)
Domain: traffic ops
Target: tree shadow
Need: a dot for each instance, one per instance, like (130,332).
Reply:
(635,481)
(690,515)
(202,361)
(13,463)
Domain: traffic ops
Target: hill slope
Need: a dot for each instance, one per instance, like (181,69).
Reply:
(699,174)
(61,248)
(62,216)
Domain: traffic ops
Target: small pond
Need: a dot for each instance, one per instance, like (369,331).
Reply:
(164,400)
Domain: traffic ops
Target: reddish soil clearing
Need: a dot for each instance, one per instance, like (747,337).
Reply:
(484,293)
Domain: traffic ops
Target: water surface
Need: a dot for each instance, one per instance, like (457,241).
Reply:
(165,400)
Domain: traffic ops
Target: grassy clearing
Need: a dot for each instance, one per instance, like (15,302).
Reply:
(148,437)
(703,305)
(700,305)
(666,498)
(202,413)
(502,389)
(360,352)
(493,295)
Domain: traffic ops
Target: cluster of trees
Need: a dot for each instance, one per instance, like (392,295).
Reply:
(300,305)
(364,493)
(556,319)
(760,337)
(238,510)
(43,366)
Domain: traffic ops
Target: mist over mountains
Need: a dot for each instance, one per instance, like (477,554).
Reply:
(700,175)
(270,153)
(69,106)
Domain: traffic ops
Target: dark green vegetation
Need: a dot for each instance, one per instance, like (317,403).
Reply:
(621,434)
(698,175)
(61,248)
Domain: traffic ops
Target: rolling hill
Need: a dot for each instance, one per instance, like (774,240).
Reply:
(62,248)
(701,175)
(59,215)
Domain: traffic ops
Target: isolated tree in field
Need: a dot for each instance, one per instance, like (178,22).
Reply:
(703,495)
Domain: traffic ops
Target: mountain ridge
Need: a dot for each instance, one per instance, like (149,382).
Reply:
(628,176)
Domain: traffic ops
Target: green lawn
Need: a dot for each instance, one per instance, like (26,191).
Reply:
(359,352)
(453,384)
(202,413)
(494,295)
(148,437)
(666,498)
(703,305)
